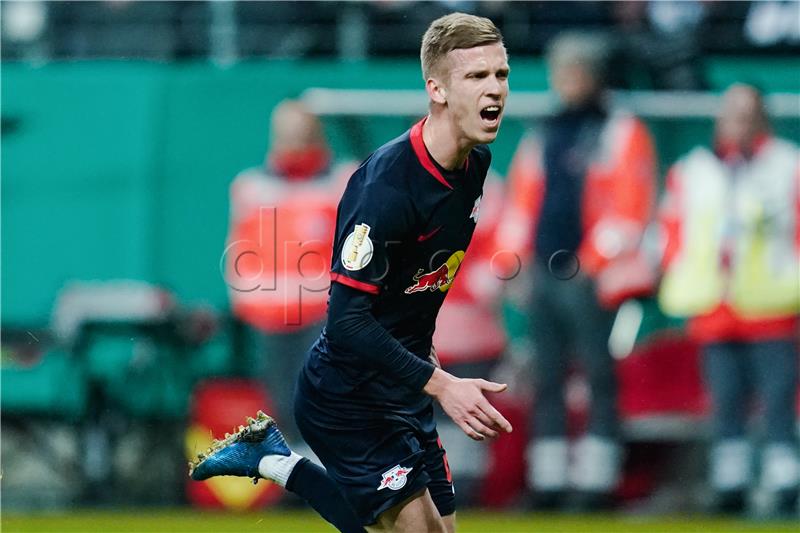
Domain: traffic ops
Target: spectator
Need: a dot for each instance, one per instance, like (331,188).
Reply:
(660,44)
(730,217)
(773,23)
(580,197)
(279,245)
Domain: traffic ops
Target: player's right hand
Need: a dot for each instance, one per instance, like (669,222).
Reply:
(463,400)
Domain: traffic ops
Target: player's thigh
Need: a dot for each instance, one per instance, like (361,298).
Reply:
(416,514)
(450,523)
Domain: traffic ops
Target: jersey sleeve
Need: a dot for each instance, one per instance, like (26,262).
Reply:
(352,329)
(373,222)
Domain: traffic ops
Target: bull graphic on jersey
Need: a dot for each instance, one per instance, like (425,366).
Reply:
(439,279)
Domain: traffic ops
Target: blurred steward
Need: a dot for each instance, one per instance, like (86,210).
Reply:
(581,194)
(730,218)
(279,245)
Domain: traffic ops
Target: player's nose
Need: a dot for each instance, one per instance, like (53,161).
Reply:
(494,87)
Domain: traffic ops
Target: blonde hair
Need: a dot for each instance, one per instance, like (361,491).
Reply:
(452,32)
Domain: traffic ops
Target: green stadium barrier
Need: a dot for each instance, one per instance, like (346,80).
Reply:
(138,376)
(56,385)
(775,74)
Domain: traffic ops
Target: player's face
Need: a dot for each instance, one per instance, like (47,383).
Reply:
(477,88)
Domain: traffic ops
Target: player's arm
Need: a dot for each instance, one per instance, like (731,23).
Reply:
(353,329)
(375,219)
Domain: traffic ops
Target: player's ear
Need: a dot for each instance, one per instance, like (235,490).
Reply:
(436,91)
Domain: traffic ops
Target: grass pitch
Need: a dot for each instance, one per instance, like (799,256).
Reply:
(282,521)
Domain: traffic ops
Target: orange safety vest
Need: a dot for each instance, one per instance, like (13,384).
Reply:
(278,251)
(617,204)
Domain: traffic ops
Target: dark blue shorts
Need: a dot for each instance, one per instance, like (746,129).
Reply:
(377,462)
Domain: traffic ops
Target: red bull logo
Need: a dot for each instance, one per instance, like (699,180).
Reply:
(430,281)
(395,478)
(439,279)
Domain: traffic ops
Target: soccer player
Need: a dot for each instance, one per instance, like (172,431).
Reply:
(364,400)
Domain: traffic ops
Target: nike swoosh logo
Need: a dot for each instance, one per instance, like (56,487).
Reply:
(427,236)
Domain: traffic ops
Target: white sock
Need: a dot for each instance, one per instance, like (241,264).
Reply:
(780,467)
(596,465)
(730,464)
(278,468)
(547,464)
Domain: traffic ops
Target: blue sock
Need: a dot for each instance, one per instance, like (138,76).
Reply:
(312,483)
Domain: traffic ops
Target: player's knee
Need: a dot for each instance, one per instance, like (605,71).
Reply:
(410,524)
(432,525)
(380,527)
(417,514)
(449,522)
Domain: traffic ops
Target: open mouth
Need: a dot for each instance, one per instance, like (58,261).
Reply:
(491,114)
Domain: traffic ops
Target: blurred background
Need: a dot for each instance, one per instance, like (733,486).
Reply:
(167,167)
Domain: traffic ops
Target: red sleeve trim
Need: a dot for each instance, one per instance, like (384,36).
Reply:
(355,284)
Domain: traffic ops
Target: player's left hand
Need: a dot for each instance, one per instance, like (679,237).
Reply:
(463,400)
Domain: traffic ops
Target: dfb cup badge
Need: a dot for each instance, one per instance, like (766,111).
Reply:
(357,249)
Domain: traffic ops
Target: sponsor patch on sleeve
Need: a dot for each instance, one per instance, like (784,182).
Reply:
(357,249)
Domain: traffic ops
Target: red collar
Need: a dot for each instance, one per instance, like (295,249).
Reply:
(422,153)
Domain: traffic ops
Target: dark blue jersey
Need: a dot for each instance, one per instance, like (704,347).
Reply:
(403,227)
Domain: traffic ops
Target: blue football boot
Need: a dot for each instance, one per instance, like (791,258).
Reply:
(240,453)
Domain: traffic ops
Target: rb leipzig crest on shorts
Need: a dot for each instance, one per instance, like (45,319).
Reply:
(395,478)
